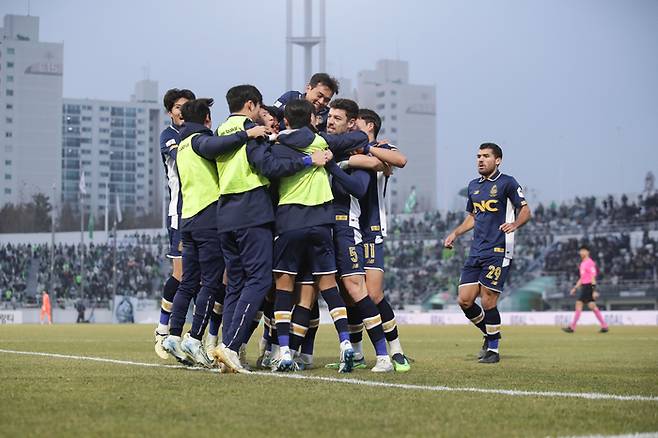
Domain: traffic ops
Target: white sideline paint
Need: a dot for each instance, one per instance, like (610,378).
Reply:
(509,392)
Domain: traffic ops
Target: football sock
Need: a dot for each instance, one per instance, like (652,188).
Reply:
(373,323)
(301,317)
(492,323)
(476,316)
(282,315)
(337,311)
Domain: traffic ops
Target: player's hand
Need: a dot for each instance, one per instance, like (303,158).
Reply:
(320,158)
(573,291)
(449,240)
(507,228)
(388,170)
(257,131)
(595,295)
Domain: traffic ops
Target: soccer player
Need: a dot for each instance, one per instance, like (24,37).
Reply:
(319,91)
(348,241)
(304,220)
(588,294)
(244,220)
(203,262)
(373,225)
(174,99)
(493,201)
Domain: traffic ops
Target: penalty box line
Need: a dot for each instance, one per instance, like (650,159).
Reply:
(352,381)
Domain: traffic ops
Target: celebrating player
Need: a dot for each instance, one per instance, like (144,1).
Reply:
(174,99)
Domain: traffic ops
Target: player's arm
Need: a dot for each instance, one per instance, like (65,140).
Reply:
(514,193)
(466,226)
(366,162)
(355,184)
(523,217)
(343,143)
(271,165)
(392,157)
(168,145)
(212,146)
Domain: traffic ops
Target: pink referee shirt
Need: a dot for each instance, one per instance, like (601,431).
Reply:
(587,271)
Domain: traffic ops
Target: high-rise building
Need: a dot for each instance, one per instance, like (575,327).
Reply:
(116,144)
(408,113)
(30,111)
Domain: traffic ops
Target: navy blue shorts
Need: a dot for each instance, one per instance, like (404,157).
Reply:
(311,247)
(175,242)
(349,251)
(373,254)
(490,272)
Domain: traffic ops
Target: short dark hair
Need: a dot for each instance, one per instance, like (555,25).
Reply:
(583,246)
(497,151)
(196,110)
(298,113)
(326,80)
(350,107)
(369,116)
(273,111)
(238,96)
(171,96)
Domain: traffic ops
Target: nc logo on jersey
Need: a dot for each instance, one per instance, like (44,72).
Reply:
(488,205)
(494,191)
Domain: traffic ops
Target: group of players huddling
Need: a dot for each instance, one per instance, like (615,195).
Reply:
(282,204)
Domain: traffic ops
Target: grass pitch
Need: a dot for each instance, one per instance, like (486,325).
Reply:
(50,396)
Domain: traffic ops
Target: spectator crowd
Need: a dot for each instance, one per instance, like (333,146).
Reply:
(620,233)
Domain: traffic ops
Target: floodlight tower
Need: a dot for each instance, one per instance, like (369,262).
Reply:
(307,41)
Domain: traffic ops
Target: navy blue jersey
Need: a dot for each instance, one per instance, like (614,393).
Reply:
(347,207)
(494,201)
(282,101)
(373,205)
(168,139)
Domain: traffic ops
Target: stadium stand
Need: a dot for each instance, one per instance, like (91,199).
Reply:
(621,232)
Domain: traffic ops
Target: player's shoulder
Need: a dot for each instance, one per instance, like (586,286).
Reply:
(506,178)
(474,182)
(169,133)
(287,97)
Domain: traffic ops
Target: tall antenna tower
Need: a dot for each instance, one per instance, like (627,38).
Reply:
(307,41)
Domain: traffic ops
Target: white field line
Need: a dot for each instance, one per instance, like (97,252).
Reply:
(509,392)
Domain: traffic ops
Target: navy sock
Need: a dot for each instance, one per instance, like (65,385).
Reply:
(355,324)
(476,316)
(268,319)
(337,311)
(492,323)
(301,317)
(282,315)
(373,323)
(167,302)
(217,312)
(388,320)
(314,323)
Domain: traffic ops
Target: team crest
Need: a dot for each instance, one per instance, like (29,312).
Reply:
(494,191)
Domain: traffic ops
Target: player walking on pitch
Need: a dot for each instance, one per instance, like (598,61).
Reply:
(588,294)
(493,201)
